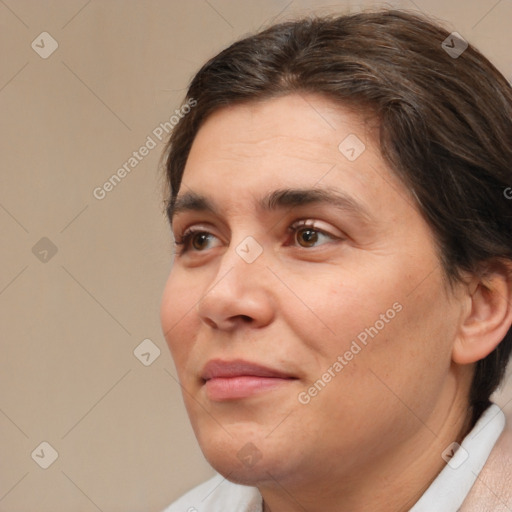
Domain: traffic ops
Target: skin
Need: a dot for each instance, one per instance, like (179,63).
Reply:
(372,438)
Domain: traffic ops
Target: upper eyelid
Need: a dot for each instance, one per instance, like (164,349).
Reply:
(309,222)
(180,238)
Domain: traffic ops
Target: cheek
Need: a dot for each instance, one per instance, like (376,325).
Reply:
(400,358)
(176,314)
(384,325)
(344,306)
(411,353)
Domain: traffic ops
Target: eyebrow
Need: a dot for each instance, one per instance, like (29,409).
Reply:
(280,199)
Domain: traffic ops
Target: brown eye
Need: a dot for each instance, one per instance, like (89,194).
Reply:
(200,241)
(306,234)
(307,237)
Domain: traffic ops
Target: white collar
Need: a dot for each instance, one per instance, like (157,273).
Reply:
(451,487)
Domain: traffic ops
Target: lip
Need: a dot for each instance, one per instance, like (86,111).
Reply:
(237,379)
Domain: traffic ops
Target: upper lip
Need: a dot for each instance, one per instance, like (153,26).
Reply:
(217,368)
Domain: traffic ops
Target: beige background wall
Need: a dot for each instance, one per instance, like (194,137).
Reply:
(70,321)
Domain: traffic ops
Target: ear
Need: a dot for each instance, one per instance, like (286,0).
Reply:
(488,316)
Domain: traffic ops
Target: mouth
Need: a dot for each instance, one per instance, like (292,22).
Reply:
(237,379)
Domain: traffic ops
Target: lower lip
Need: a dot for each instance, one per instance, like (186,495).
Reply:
(233,388)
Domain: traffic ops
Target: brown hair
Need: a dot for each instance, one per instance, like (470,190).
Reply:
(445,125)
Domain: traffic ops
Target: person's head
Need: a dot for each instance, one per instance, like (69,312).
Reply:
(346,179)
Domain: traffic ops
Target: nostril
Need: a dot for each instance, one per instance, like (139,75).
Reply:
(246,318)
(210,322)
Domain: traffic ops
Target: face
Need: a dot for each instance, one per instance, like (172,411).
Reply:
(306,310)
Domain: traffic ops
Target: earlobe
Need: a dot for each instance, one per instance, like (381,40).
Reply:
(487,319)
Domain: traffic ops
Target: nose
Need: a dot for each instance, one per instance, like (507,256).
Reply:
(240,294)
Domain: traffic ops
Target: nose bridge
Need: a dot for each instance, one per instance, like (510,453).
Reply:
(239,288)
(243,264)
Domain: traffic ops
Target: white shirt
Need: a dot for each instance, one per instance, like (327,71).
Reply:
(446,493)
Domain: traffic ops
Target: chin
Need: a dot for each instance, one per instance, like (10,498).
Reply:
(243,473)
(245,458)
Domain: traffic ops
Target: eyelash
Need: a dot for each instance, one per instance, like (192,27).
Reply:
(183,241)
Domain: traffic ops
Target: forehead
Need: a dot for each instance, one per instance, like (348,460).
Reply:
(297,126)
(295,141)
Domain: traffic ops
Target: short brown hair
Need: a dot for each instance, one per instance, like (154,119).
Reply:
(445,125)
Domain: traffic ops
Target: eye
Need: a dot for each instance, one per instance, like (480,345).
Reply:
(304,233)
(194,239)
(307,235)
